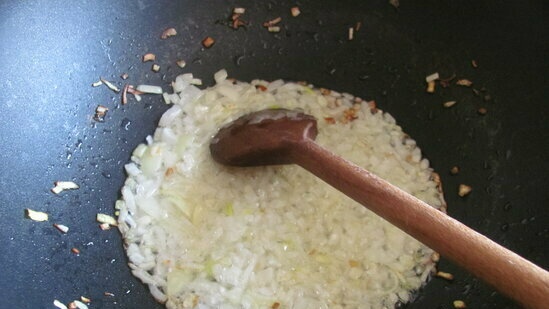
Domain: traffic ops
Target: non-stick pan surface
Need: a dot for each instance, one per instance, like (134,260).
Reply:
(52,51)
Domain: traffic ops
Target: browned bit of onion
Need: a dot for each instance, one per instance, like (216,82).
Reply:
(62,228)
(445,275)
(108,294)
(459,304)
(394,3)
(474,63)
(330,120)
(208,42)
(238,23)
(482,111)
(272,22)
(275,305)
(295,11)
(168,33)
(149,57)
(358,25)
(431,86)
(449,104)
(132,90)
(104,226)
(464,82)
(454,170)
(125,94)
(464,190)
(100,113)
(261,87)
(75,250)
(155,67)
(435,257)
(124,76)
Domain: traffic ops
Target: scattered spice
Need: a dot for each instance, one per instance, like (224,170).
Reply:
(449,104)
(464,82)
(261,87)
(330,120)
(482,111)
(463,190)
(351,33)
(109,85)
(103,218)
(59,304)
(75,251)
(350,114)
(36,215)
(181,63)
(100,113)
(295,11)
(454,170)
(445,275)
(155,67)
(354,263)
(275,305)
(64,185)
(208,42)
(62,228)
(272,22)
(124,76)
(168,33)
(149,57)
(169,171)
(459,304)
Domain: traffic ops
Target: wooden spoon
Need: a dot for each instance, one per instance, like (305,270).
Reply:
(280,136)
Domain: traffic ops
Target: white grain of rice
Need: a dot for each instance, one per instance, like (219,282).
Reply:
(202,235)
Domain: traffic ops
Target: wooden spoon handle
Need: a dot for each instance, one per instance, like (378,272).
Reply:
(508,272)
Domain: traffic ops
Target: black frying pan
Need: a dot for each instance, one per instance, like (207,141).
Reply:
(51,52)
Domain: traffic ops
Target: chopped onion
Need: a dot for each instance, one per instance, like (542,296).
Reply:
(273,29)
(449,104)
(64,185)
(78,304)
(36,215)
(168,33)
(149,57)
(220,76)
(295,11)
(459,304)
(208,42)
(464,190)
(181,63)
(351,33)
(432,77)
(62,228)
(97,83)
(239,10)
(155,67)
(149,89)
(85,299)
(103,218)
(59,304)
(109,85)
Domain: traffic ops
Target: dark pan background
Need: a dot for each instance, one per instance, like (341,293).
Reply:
(51,52)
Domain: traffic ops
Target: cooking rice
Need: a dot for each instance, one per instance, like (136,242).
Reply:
(203,235)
